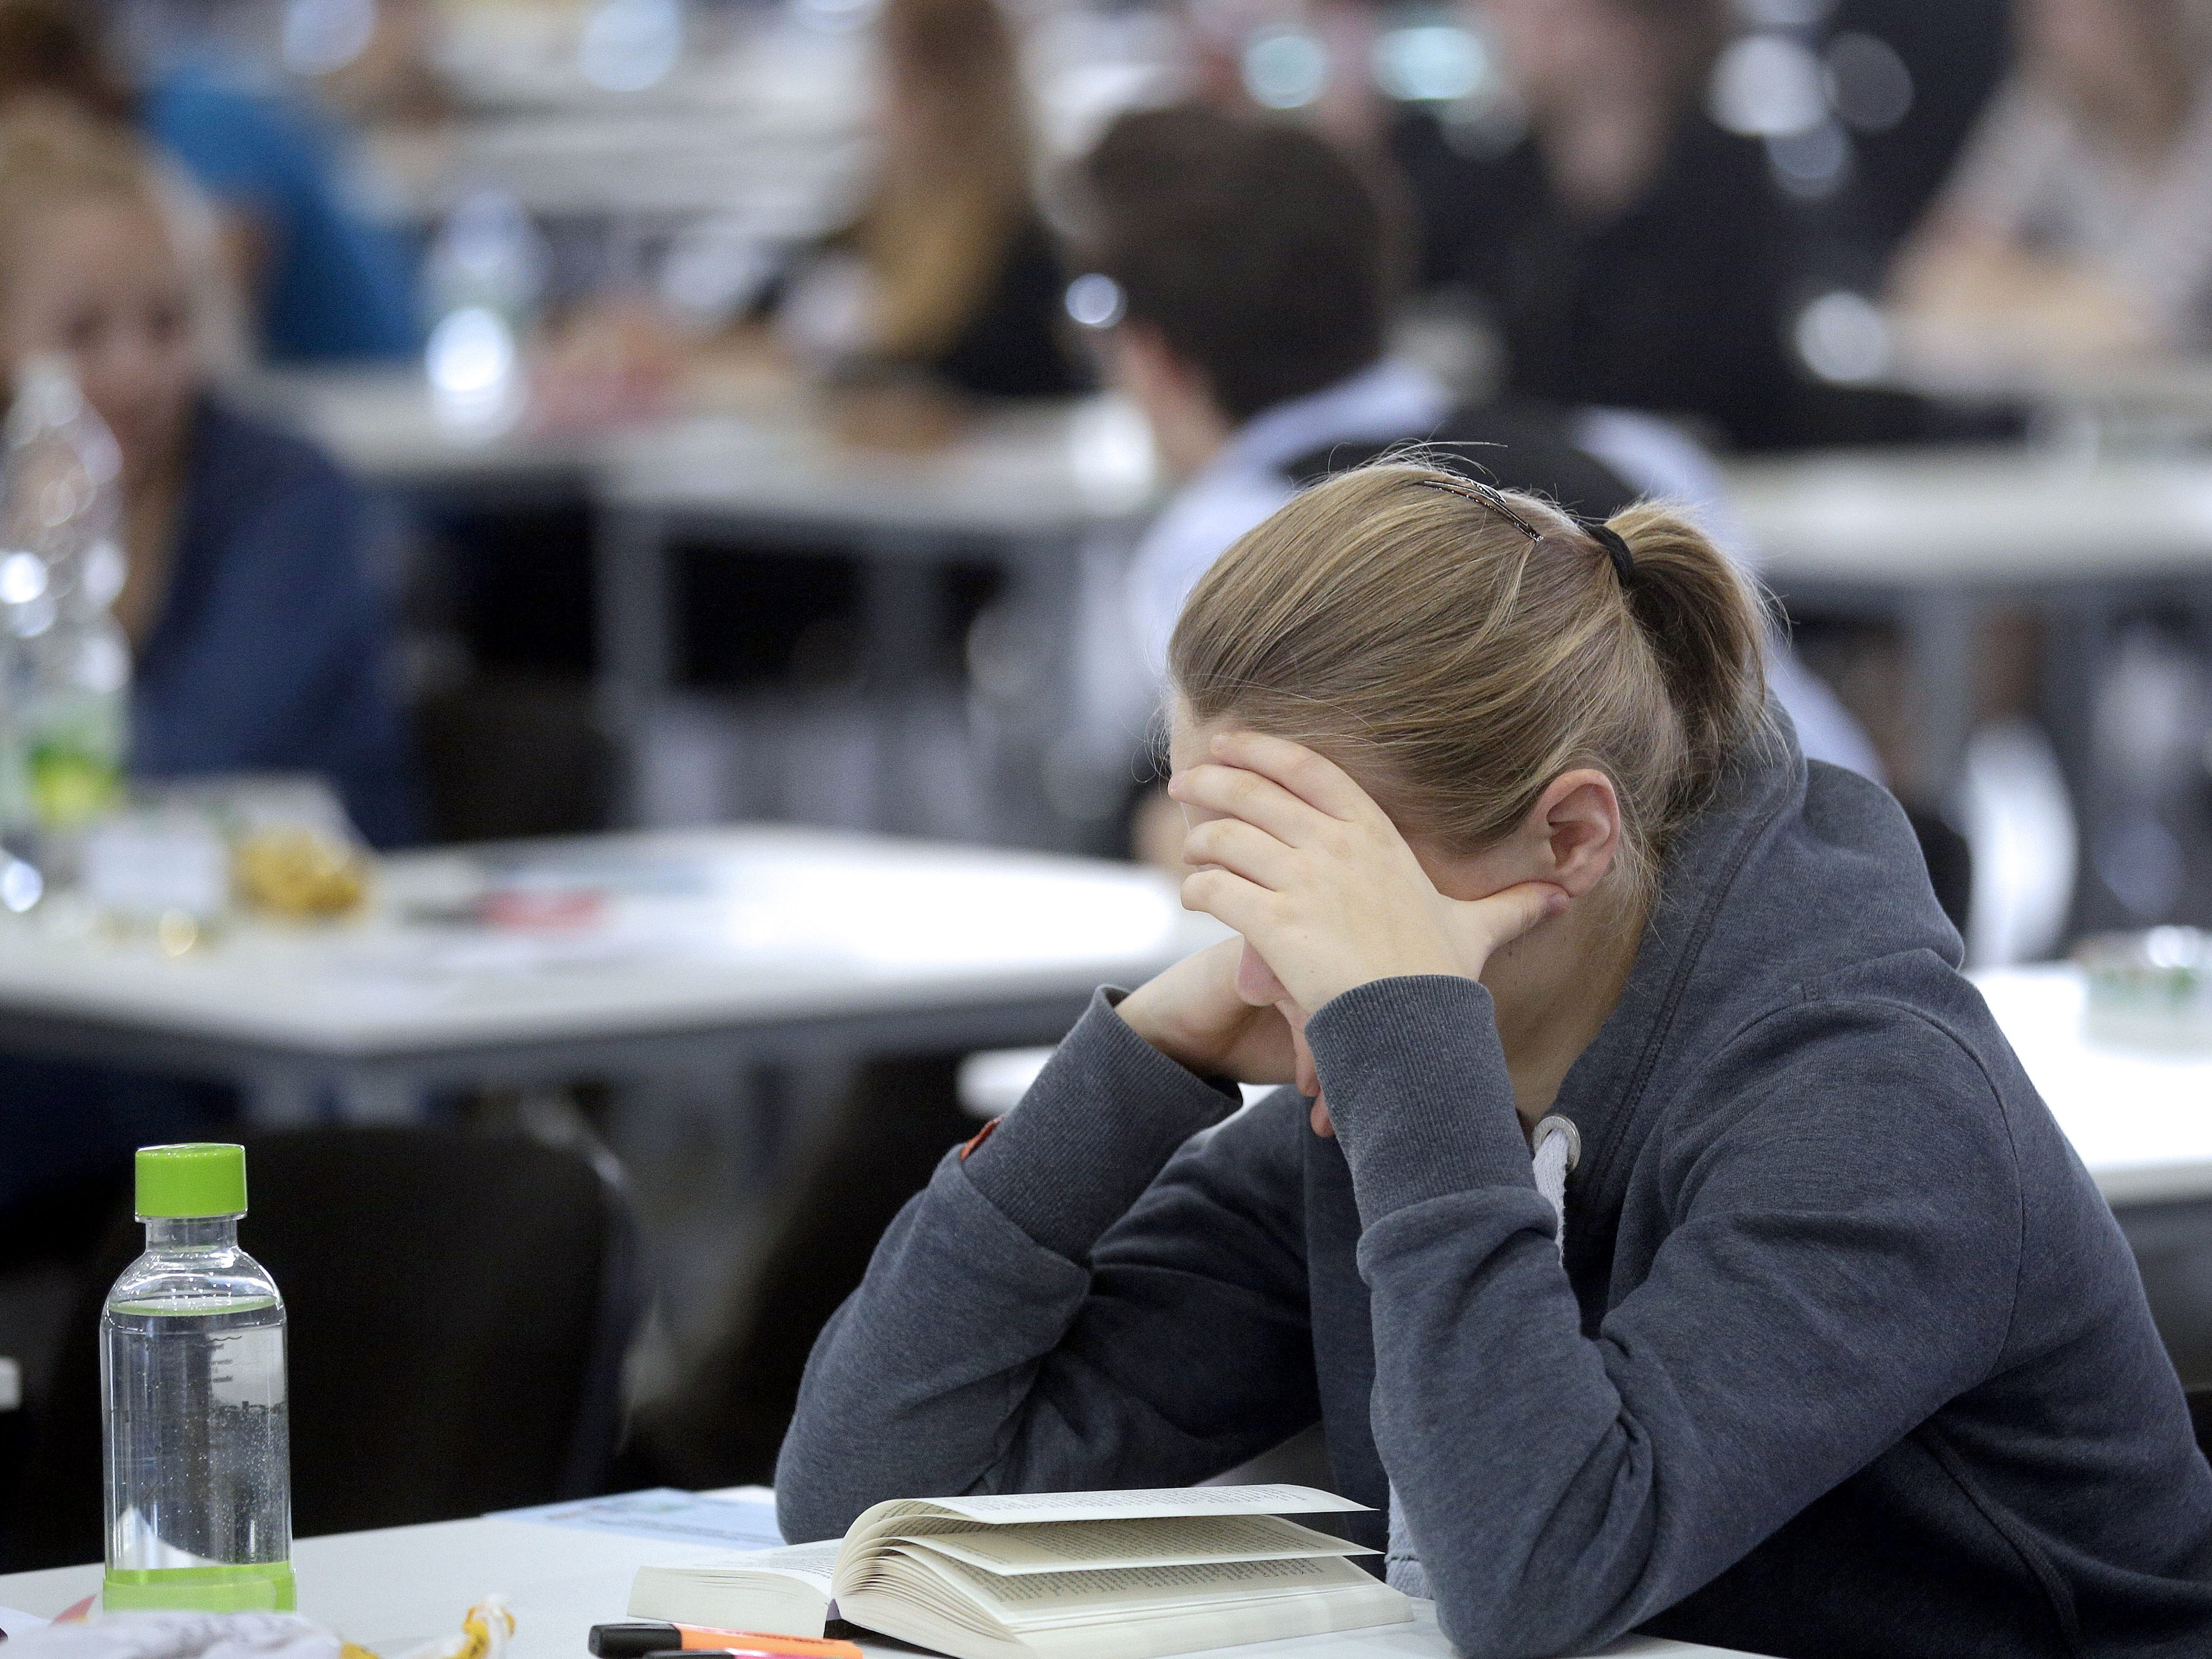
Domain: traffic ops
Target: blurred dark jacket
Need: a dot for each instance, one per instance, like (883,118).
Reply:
(1676,305)
(268,653)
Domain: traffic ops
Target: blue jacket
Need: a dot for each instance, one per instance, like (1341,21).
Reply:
(268,653)
(1846,1359)
(337,285)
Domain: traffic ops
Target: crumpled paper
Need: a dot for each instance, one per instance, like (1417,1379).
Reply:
(181,1636)
(484,1634)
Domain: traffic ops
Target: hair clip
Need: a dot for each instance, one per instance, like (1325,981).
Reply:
(1609,540)
(1490,498)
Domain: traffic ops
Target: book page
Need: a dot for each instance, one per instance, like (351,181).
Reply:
(1051,1598)
(1155,1501)
(786,1590)
(814,1561)
(1183,1541)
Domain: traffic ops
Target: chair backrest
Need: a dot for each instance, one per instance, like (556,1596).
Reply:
(1521,446)
(458,1306)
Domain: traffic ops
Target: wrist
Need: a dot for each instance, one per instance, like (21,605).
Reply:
(1433,965)
(1148,1019)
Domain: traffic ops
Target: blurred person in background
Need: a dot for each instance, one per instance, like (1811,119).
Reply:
(948,271)
(322,282)
(1252,283)
(1632,253)
(2079,218)
(260,641)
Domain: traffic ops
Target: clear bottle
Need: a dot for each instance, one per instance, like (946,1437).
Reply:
(485,278)
(197,1440)
(64,661)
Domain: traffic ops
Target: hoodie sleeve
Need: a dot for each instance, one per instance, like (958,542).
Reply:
(1091,1299)
(1841,1255)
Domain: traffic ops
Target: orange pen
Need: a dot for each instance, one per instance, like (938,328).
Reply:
(642,1640)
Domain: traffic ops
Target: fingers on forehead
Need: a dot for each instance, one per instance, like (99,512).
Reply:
(1310,776)
(1215,783)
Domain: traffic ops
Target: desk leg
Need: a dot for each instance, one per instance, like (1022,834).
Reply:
(281,1097)
(379,1097)
(1039,703)
(629,554)
(902,601)
(1940,637)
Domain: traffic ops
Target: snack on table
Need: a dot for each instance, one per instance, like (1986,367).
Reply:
(294,871)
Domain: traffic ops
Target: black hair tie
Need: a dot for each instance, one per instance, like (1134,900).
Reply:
(1616,549)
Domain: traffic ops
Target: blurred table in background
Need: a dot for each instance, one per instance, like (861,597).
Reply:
(611,957)
(2141,1119)
(384,426)
(1938,540)
(1023,490)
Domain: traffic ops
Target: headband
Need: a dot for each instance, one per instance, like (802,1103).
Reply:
(1610,541)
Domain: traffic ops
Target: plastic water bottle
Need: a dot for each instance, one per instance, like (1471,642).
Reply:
(198,1446)
(485,276)
(64,662)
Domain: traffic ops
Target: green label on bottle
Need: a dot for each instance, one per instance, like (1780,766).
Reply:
(255,1586)
(72,782)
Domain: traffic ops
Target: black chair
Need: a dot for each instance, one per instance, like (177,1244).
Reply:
(2200,1418)
(1950,859)
(458,1308)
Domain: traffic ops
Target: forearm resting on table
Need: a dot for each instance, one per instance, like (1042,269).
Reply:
(923,1383)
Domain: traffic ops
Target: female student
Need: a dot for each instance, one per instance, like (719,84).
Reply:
(948,271)
(2079,218)
(259,637)
(1802,1331)
(260,643)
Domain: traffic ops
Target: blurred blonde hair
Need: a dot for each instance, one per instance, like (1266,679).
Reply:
(955,193)
(53,156)
(1418,637)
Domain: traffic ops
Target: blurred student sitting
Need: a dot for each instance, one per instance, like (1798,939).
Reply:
(948,271)
(1252,280)
(1630,252)
(259,639)
(323,281)
(2080,219)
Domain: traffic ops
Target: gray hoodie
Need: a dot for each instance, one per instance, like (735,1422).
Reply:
(1846,1355)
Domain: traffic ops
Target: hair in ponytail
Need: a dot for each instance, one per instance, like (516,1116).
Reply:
(1460,648)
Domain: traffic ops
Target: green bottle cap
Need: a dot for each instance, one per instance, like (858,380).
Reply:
(196,1178)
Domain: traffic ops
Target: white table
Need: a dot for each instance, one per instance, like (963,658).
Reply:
(391,1589)
(1936,536)
(716,944)
(1937,539)
(1024,489)
(2140,1120)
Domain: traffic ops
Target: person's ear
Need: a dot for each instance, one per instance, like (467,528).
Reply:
(1574,830)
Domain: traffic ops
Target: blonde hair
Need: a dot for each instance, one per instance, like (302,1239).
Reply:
(53,156)
(952,201)
(1414,633)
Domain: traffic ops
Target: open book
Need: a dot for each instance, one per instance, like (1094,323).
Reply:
(1099,1575)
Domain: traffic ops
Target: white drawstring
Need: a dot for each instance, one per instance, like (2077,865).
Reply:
(1558,1148)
